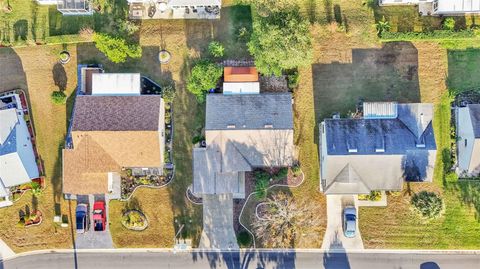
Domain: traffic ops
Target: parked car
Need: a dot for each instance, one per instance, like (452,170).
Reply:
(81,215)
(99,216)
(349,221)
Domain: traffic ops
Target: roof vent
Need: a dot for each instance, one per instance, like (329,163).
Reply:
(380,143)
(352,146)
(268,126)
(231,126)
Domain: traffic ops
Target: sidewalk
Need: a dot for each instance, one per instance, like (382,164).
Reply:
(5,251)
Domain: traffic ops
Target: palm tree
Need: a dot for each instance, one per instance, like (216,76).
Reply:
(36,189)
(383,26)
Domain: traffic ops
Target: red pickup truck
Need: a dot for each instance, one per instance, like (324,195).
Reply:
(99,217)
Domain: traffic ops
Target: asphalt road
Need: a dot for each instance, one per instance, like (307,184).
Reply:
(243,260)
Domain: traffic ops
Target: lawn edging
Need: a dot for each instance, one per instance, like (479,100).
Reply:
(254,192)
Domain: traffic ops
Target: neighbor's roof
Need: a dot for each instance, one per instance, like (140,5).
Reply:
(8,120)
(116,113)
(249,112)
(116,84)
(17,159)
(475,117)
(240,74)
(458,6)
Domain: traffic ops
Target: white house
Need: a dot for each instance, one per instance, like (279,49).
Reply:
(17,159)
(468,140)
(70,7)
(439,7)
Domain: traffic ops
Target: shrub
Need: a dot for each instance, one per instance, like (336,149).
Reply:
(244,239)
(115,48)
(262,179)
(243,34)
(373,196)
(448,24)
(383,26)
(293,79)
(168,92)
(296,170)
(58,97)
(204,77)
(427,204)
(133,219)
(216,49)
(282,173)
(197,139)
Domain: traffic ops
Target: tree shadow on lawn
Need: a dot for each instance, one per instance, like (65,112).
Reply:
(386,74)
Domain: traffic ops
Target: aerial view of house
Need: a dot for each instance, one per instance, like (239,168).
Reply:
(253,134)
(468,139)
(391,143)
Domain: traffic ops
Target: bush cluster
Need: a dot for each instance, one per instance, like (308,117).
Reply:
(428,204)
(58,97)
(204,76)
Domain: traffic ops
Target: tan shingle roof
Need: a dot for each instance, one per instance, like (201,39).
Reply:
(85,169)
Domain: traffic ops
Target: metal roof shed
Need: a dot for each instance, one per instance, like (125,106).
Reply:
(116,84)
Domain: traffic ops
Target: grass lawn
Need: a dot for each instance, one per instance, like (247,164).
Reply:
(463,66)
(27,22)
(31,69)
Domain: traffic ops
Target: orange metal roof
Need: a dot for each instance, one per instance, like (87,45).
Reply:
(240,74)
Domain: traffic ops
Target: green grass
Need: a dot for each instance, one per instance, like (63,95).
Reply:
(27,23)
(463,66)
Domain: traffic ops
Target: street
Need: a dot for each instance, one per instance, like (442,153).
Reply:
(245,259)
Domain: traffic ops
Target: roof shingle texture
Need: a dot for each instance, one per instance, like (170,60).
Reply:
(249,111)
(116,113)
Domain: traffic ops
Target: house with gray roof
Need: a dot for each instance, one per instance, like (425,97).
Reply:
(439,7)
(390,144)
(242,132)
(17,157)
(468,140)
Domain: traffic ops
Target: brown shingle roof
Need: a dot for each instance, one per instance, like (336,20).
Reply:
(127,148)
(85,169)
(116,113)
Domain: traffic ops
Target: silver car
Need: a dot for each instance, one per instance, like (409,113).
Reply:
(349,221)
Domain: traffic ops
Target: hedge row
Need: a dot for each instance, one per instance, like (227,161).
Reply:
(434,35)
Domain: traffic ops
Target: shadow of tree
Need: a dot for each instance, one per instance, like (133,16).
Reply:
(20,29)
(59,76)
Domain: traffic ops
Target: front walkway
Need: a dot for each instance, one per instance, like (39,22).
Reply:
(5,251)
(334,237)
(218,232)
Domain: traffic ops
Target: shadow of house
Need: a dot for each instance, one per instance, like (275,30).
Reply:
(337,258)
(248,259)
(386,74)
(463,68)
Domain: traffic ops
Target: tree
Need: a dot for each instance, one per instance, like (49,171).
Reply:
(216,49)
(204,77)
(281,41)
(115,48)
(281,225)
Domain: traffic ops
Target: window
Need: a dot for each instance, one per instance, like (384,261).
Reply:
(466,142)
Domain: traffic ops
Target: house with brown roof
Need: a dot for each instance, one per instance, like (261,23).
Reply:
(109,133)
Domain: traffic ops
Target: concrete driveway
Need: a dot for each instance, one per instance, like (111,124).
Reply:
(93,239)
(218,232)
(334,237)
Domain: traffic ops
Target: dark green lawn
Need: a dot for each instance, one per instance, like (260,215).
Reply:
(463,68)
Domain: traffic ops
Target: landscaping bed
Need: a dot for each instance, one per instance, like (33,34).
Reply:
(134,220)
(130,182)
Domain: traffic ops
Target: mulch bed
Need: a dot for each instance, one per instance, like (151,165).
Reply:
(250,187)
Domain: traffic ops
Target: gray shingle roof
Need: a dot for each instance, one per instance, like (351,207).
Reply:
(255,111)
(116,113)
(368,135)
(416,116)
(475,116)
